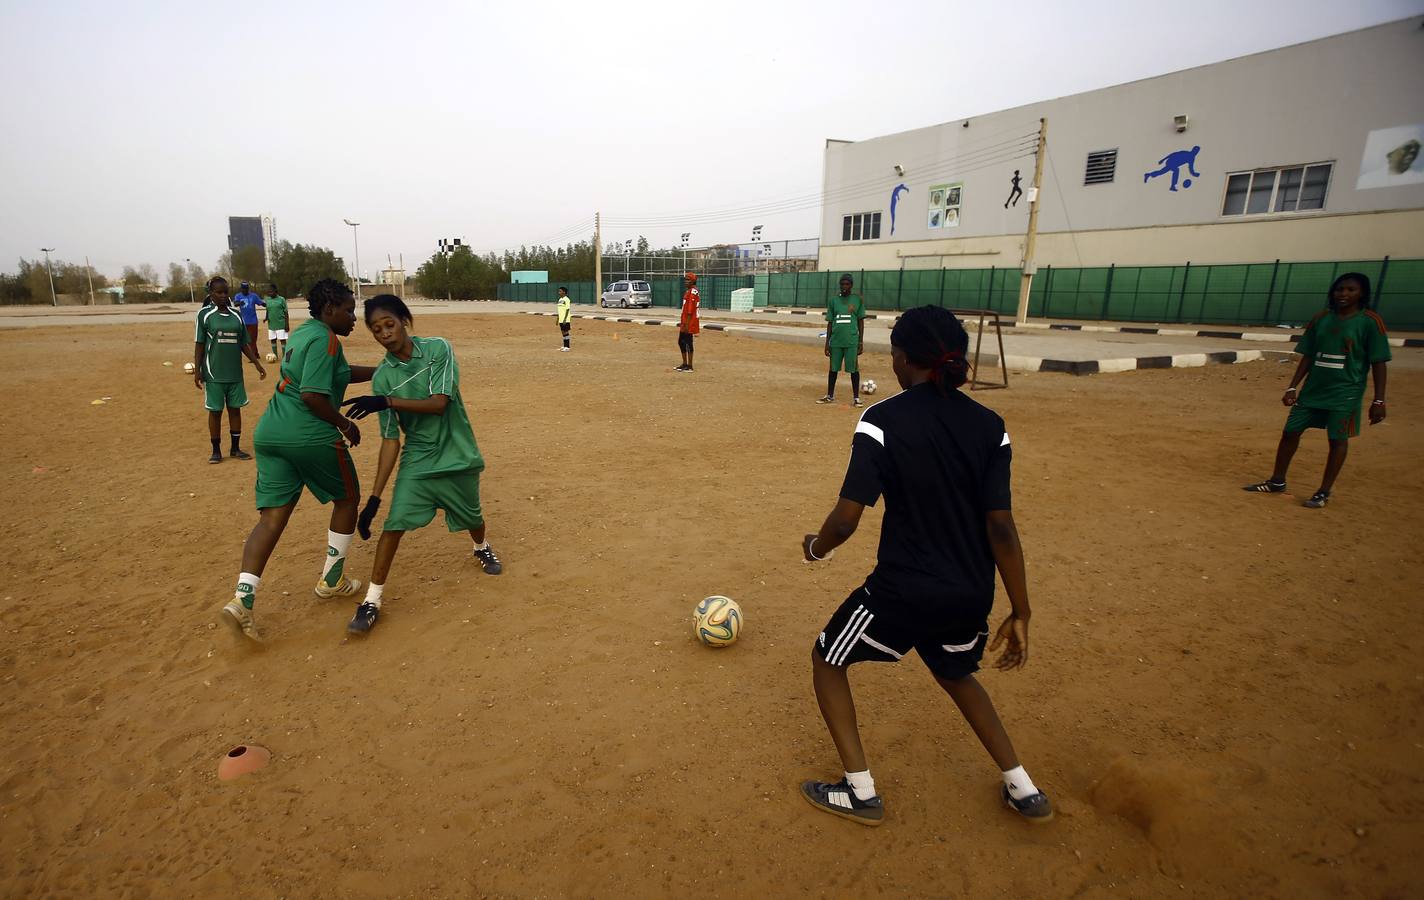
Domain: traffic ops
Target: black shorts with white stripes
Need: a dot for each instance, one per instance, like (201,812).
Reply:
(859,633)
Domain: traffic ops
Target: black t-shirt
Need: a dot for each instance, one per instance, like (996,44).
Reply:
(942,463)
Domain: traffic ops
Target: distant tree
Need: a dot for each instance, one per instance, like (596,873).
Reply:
(248,264)
(196,275)
(296,267)
(177,276)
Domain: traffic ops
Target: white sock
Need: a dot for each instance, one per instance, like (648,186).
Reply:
(862,784)
(373,594)
(247,588)
(483,545)
(1019,784)
(336,547)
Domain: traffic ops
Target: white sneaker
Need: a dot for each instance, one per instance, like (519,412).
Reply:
(240,618)
(563,349)
(346,587)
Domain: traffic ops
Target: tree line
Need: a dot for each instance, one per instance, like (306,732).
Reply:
(295,268)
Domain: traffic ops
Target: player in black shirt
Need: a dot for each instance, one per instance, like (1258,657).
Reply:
(942,463)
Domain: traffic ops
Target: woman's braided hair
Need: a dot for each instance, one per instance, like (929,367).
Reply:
(933,338)
(324,293)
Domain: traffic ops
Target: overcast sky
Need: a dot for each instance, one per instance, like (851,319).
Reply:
(134,129)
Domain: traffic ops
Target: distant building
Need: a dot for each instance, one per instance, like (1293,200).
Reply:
(252,231)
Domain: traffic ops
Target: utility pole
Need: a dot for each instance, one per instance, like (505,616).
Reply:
(1032,237)
(597,258)
(54,298)
(90,273)
(191,298)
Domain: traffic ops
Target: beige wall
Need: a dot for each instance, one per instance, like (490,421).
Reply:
(1320,238)
(1307,104)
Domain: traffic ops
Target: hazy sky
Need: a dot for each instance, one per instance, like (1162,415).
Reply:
(134,129)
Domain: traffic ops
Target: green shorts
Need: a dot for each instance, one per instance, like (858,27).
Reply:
(217,394)
(415,500)
(324,469)
(1339,424)
(844,356)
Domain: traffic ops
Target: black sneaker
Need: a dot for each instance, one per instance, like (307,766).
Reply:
(1035,807)
(365,618)
(215,458)
(839,800)
(827,399)
(1265,487)
(681,368)
(488,561)
(1318,499)
(240,454)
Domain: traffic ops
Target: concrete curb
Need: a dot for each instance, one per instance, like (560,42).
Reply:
(1014,363)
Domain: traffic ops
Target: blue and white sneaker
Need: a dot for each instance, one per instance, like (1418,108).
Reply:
(1035,807)
(839,800)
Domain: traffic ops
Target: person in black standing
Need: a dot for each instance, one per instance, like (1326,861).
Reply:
(941,461)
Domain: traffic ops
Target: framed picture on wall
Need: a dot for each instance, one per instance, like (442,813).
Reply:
(937,197)
(936,219)
(951,217)
(952,197)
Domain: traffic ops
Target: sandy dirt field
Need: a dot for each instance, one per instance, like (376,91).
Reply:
(1223,696)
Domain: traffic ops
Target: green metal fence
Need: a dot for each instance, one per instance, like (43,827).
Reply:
(1273,293)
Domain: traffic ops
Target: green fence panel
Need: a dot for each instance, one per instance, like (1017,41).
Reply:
(1255,294)
(1400,295)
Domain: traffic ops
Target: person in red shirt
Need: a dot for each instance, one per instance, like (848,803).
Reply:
(688,325)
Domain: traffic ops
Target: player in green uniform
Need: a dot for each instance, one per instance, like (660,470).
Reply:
(1339,348)
(845,338)
(219,343)
(276,320)
(301,442)
(416,389)
(565,317)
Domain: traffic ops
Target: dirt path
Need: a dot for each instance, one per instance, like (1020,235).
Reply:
(1223,698)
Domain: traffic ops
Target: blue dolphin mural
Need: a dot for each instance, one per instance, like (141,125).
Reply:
(894,201)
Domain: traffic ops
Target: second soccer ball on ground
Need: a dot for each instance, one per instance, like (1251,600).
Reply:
(867,386)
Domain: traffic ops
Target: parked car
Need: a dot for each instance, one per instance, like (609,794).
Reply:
(627,293)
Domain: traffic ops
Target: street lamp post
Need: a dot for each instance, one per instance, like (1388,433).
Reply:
(53,297)
(686,237)
(357,268)
(191,298)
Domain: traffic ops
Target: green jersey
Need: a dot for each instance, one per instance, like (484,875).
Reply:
(434,445)
(563,306)
(843,315)
(223,336)
(1341,351)
(314,363)
(277,313)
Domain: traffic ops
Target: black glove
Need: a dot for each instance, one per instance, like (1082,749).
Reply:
(368,512)
(361,407)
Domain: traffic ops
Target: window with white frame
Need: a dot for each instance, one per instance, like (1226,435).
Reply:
(861,227)
(1286,189)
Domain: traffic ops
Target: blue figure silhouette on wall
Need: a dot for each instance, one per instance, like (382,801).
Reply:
(1173,163)
(894,201)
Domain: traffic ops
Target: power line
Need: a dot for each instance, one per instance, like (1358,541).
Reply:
(973,149)
(849,192)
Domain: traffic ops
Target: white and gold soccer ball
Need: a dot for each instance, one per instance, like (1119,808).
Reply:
(188,367)
(717,621)
(867,386)
(271,357)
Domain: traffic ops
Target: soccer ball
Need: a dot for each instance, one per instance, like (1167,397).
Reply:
(188,367)
(271,357)
(717,621)
(867,386)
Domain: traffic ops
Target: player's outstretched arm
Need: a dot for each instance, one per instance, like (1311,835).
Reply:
(1008,557)
(842,522)
(362,374)
(198,364)
(390,453)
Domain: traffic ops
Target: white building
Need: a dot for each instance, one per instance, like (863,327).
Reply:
(1308,152)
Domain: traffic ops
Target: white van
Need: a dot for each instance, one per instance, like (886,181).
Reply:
(627,293)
